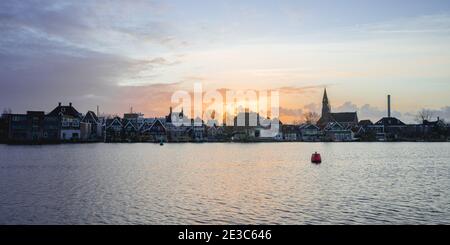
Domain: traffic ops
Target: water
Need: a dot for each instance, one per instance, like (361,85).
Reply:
(268,183)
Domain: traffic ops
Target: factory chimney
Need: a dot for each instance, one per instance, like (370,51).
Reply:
(389,105)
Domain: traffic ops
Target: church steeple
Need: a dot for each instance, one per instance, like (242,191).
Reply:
(326,108)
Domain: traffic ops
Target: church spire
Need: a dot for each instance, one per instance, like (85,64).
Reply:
(326,108)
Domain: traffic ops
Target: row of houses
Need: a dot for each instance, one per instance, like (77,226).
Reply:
(66,124)
(62,124)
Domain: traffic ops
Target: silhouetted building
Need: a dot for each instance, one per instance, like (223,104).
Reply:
(310,132)
(70,120)
(155,132)
(91,127)
(113,130)
(33,127)
(347,120)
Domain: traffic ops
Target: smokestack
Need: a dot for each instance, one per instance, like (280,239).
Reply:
(389,105)
(98,110)
(70,104)
(59,103)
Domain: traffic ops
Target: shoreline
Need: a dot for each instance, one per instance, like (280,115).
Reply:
(229,142)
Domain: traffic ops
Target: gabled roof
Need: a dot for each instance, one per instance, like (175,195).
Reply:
(309,126)
(390,121)
(334,126)
(145,125)
(65,110)
(157,121)
(129,122)
(364,123)
(89,117)
(344,117)
(110,122)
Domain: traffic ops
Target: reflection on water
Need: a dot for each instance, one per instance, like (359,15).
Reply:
(270,183)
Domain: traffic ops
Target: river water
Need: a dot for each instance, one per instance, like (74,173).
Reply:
(230,183)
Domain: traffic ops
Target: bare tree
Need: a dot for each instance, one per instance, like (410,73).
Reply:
(311,117)
(297,122)
(423,115)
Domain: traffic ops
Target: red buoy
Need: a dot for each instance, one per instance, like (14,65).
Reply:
(316,158)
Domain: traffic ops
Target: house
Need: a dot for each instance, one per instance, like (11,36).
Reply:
(388,128)
(91,127)
(70,120)
(345,119)
(32,127)
(52,129)
(130,130)
(310,132)
(156,132)
(198,130)
(363,131)
(17,127)
(178,133)
(334,131)
(216,133)
(113,130)
(290,132)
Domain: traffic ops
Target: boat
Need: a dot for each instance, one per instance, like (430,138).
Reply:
(316,158)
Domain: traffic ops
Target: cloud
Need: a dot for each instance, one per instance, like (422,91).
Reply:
(300,90)
(64,51)
(298,113)
(88,24)
(442,113)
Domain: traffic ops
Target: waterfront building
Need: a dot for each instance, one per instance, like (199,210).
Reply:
(113,130)
(70,120)
(216,133)
(130,130)
(334,131)
(180,133)
(52,129)
(363,131)
(347,120)
(290,132)
(90,127)
(155,132)
(32,127)
(199,130)
(310,132)
(388,128)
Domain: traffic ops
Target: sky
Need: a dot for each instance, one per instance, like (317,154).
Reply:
(122,54)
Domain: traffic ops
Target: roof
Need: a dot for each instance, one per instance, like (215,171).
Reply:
(110,121)
(65,110)
(344,116)
(390,121)
(127,122)
(309,126)
(89,117)
(155,122)
(334,126)
(289,128)
(364,123)
(433,124)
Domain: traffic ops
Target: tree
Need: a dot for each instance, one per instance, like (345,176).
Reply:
(311,117)
(424,115)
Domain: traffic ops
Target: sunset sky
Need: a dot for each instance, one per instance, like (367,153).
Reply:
(118,54)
